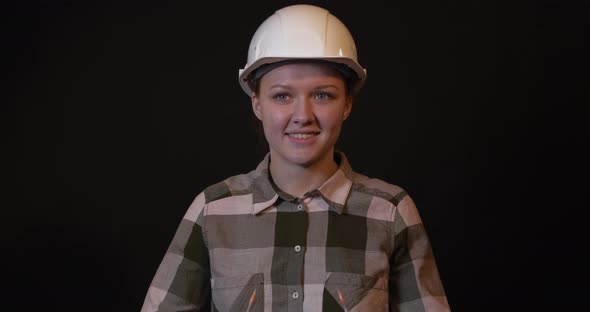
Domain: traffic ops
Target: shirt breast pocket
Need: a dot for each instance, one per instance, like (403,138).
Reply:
(238,293)
(357,292)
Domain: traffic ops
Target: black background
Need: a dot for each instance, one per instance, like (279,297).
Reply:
(116,114)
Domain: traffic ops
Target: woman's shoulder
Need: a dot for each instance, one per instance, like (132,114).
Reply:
(239,184)
(377,187)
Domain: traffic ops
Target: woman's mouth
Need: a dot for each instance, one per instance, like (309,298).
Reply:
(305,138)
(302,135)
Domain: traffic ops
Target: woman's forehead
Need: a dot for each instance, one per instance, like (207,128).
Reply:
(299,71)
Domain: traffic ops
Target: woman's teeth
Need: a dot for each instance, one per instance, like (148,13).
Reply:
(301,135)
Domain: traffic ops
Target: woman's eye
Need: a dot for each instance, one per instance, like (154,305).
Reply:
(323,96)
(281,96)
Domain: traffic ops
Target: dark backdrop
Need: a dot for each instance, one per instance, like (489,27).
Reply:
(117,114)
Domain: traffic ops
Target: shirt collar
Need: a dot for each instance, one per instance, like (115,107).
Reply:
(333,191)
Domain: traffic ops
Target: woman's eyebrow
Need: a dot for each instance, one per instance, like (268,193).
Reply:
(315,88)
(326,86)
(278,85)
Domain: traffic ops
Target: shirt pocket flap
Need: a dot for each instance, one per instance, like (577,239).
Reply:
(237,281)
(349,289)
(360,280)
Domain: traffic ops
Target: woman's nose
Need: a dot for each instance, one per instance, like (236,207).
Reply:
(303,113)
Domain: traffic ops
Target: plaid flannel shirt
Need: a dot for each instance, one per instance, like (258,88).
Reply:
(353,244)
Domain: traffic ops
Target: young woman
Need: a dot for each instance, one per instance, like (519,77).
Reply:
(303,231)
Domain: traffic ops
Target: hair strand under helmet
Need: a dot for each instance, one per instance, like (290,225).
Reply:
(300,32)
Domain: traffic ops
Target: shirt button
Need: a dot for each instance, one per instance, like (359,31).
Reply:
(297,248)
(295,295)
(300,207)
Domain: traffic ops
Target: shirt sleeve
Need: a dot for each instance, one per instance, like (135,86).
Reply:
(414,281)
(182,281)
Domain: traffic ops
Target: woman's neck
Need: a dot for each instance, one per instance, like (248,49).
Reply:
(297,180)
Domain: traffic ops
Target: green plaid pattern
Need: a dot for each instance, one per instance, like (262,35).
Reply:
(353,244)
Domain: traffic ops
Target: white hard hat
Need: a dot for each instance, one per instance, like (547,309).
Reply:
(301,31)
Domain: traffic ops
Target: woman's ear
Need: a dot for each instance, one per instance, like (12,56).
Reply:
(348,107)
(256,106)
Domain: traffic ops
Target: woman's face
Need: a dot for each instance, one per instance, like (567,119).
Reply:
(302,107)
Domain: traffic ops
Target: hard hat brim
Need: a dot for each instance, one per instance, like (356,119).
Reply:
(244,74)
